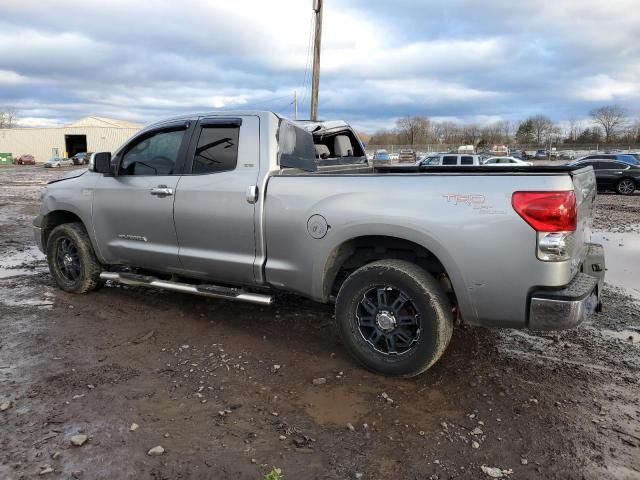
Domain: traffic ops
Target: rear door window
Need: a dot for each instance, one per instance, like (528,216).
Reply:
(620,165)
(217,149)
(466,160)
(450,160)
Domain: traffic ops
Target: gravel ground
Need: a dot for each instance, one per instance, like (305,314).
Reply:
(232,390)
(617,213)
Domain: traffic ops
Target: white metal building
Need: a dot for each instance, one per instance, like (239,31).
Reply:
(89,134)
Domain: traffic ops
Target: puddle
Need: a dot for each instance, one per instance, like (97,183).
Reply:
(26,296)
(337,406)
(26,262)
(622,257)
(628,336)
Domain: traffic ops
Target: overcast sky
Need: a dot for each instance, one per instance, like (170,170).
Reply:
(143,60)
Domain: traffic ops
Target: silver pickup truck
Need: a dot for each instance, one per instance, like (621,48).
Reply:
(237,205)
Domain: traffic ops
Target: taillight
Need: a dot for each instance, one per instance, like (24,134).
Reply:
(547,211)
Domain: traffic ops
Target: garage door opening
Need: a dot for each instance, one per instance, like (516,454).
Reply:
(75,144)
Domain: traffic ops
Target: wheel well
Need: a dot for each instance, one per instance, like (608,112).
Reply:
(360,251)
(53,219)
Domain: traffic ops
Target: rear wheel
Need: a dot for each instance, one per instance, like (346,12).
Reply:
(626,186)
(394,317)
(72,261)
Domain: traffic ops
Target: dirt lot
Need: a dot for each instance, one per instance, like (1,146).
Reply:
(228,389)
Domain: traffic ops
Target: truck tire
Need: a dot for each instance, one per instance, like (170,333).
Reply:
(394,318)
(72,261)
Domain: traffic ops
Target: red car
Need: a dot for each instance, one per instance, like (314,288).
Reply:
(26,159)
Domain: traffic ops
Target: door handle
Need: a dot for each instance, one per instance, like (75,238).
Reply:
(162,191)
(252,194)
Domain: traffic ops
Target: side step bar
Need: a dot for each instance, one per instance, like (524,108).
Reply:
(212,291)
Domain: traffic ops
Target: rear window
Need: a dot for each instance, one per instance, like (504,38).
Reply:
(450,160)
(296,148)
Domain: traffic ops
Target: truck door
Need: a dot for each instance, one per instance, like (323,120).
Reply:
(214,213)
(133,211)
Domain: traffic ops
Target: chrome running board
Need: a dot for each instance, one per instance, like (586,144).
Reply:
(212,291)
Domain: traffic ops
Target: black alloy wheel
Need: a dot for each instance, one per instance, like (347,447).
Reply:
(388,320)
(68,259)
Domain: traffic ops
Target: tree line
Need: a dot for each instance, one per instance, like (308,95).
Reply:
(8,117)
(609,124)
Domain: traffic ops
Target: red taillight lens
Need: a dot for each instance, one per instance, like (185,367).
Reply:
(547,211)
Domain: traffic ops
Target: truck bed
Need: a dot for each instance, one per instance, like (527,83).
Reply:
(415,169)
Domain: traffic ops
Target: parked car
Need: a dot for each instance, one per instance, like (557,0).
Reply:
(26,159)
(426,158)
(450,159)
(81,158)
(566,155)
(615,175)
(625,158)
(407,155)
(394,156)
(400,274)
(541,154)
(465,149)
(381,156)
(56,162)
(499,161)
(519,154)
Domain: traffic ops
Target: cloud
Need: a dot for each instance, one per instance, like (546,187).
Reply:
(459,59)
(603,88)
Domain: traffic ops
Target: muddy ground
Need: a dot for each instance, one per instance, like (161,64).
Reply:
(227,389)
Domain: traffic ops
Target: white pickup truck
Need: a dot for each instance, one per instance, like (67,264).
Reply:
(234,205)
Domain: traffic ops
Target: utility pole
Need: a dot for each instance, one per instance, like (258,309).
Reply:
(295,104)
(317,8)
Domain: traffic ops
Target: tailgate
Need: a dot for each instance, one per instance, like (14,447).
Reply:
(584,185)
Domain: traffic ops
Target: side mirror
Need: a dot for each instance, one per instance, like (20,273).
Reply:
(102,163)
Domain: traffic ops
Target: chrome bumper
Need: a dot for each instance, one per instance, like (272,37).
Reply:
(569,306)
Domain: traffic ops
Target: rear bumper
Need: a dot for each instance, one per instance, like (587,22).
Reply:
(559,309)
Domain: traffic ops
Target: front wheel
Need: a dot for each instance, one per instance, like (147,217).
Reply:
(626,186)
(72,261)
(394,317)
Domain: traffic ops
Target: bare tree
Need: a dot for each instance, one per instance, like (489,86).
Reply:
(8,117)
(471,134)
(508,130)
(492,133)
(414,129)
(611,118)
(542,127)
(573,130)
